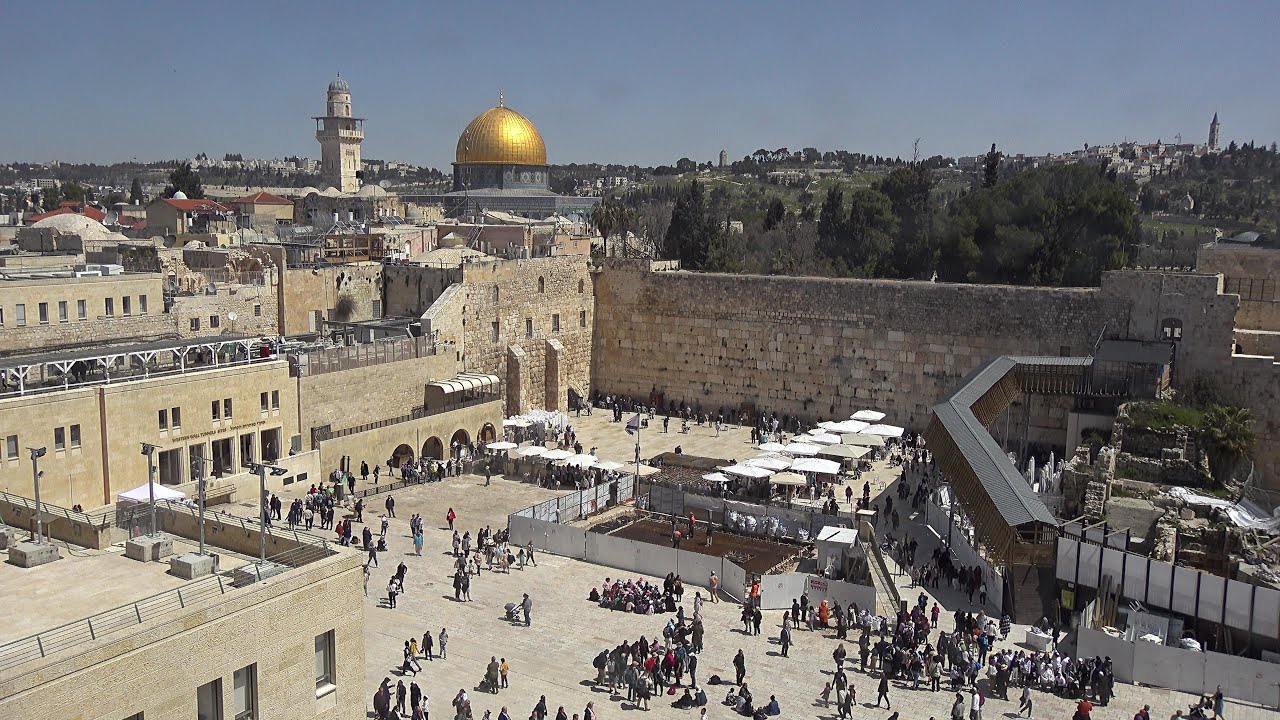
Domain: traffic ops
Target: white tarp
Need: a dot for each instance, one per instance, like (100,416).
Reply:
(557,454)
(892,431)
(609,465)
(862,439)
(770,462)
(846,426)
(717,478)
(532,451)
(870,416)
(582,461)
(747,471)
(142,494)
(502,445)
(799,448)
(788,478)
(824,439)
(771,447)
(816,465)
(1244,513)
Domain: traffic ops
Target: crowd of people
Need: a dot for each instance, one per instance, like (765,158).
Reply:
(640,596)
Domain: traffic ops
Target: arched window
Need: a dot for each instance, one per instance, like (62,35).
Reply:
(1171,329)
(495,293)
(581,287)
(542,285)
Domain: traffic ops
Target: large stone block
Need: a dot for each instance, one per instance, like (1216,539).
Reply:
(148,548)
(191,565)
(29,555)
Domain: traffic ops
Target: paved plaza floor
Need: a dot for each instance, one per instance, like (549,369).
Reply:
(553,657)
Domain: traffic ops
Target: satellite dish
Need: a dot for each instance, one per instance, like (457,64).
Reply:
(231,316)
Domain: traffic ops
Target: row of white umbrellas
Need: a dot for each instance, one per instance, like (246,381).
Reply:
(556,454)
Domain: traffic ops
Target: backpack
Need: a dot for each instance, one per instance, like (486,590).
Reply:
(713,680)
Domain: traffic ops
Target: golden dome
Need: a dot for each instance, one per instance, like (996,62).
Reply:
(501,136)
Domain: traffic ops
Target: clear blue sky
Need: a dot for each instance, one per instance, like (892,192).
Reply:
(637,82)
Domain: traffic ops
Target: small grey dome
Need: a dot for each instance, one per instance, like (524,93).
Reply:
(339,85)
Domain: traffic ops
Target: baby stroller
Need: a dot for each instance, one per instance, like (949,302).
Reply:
(513,611)
(489,683)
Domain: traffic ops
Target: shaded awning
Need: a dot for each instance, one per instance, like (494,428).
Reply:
(770,462)
(816,465)
(466,381)
(747,471)
(862,439)
(853,452)
(788,478)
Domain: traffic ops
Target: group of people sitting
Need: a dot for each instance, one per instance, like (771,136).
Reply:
(638,596)
(741,700)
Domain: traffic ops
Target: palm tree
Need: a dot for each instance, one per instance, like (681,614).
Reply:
(602,218)
(1230,436)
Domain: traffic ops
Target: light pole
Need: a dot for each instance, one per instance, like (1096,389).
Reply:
(262,469)
(150,451)
(36,454)
(198,465)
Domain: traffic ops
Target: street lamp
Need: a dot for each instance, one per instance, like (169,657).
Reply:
(199,466)
(36,454)
(262,469)
(150,451)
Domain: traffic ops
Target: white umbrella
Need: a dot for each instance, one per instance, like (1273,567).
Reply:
(868,416)
(853,452)
(816,465)
(829,426)
(748,471)
(892,431)
(862,439)
(582,461)
(769,462)
(502,445)
(799,448)
(645,470)
(824,439)
(557,454)
(509,422)
(817,431)
(788,478)
(771,447)
(717,478)
(848,426)
(531,451)
(609,465)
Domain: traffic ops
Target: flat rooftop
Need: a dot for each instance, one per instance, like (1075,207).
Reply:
(82,584)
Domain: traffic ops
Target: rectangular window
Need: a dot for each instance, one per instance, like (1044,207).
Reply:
(126,305)
(497,333)
(175,417)
(245,692)
(20,312)
(209,700)
(226,408)
(62,311)
(214,321)
(44,313)
(195,324)
(264,399)
(142,304)
(555,323)
(582,318)
(217,411)
(528,327)
(325,677)
(275,399)
(59,438)
(1,317)
(257,311)
(82,309)
(110,305)
(75,436)
(164,419)
(11,447)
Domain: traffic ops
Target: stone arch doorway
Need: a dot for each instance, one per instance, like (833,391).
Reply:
(433,448)
(402,456)
(460,438)
(576,401)
(487,433)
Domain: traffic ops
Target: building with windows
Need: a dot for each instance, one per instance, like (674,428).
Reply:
(65,307)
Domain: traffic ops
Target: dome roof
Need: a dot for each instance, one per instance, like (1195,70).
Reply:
(502,136)
(371,191)
(75,224)
(339,85)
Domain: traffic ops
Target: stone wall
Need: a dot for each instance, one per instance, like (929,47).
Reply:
(411,289)
(1244,271)
(346,293)
(820,347)
(256,309)
(419,435)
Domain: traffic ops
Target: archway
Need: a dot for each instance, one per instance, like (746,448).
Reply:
(487,433)
(459,438)
(433,448)
(402,456)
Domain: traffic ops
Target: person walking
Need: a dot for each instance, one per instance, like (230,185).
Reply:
(785,638)
(528,554)
(740,667)
(443,637)
(450,517)
(391,506)
(1025,703)
(366,580)
(882,692)
(503,669)
(713,584)
(527,606)
(428,645)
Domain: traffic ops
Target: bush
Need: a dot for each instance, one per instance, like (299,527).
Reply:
(1164,415)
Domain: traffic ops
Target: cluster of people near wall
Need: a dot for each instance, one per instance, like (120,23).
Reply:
(640,596)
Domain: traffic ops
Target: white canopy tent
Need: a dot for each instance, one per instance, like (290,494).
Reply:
(770,462)
(816,465)
(502,445)
(870,416)
(890,431)
(747,471)
(853,452)
(532,451)
(799,448)
(141,494)
(824,439)
(716,477)
(848,426)
(609,465)
(788,478)
(582,461)
(557,454)
(771,447)
(862,439)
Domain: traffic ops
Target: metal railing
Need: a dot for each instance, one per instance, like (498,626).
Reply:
(137,520)
(130,374)
(79,632)
(97,519)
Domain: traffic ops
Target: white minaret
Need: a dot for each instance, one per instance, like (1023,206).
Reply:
(340,136)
